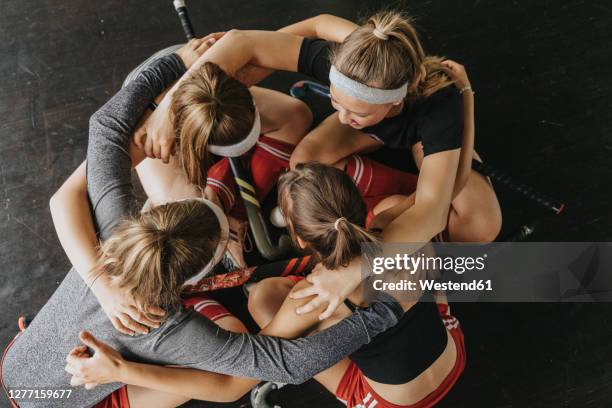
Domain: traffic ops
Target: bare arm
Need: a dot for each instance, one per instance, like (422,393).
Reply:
(459,75)
(323,26)
(74,225)
(428,215)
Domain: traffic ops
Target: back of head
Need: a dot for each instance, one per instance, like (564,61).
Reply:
(386,53)
(324,208)
(152,255)
(210,107)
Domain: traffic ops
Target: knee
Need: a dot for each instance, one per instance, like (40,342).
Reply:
(262,292)
(484,228)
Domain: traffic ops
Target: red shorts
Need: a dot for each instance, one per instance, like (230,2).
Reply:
(202,303)
(355,391)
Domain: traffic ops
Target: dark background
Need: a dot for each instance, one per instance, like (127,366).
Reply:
(541,70)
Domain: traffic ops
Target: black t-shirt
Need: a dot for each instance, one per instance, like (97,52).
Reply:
(437,120)
(406,350)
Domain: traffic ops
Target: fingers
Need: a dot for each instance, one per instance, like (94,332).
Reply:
(331,308)
(139,139)
(303,293)
(140,317)
(90,341)
(166,152)
(148,147)
(158,311)
(131,324)
(157,150)
(314,304)
(205,45)
(120,327)
(91,386)
(75,380)
(72,371)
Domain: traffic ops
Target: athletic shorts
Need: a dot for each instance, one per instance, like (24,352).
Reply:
(202,303)
(355,392)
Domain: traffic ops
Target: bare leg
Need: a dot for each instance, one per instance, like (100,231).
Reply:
(267,297)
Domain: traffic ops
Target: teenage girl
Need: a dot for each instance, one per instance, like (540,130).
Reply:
(412,365)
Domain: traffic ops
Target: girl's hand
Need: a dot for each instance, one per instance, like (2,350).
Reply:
(122,309)
(457,73)
(103,367)
(156,135)
(329,287)
(194,49)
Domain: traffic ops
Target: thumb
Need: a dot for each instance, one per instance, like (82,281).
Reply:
(90,341)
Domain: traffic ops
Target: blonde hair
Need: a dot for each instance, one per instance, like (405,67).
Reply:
(152,255)
(209,107)
(323,207)
(386,53)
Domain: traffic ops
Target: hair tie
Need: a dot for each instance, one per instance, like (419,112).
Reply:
(338,222)
(380,34)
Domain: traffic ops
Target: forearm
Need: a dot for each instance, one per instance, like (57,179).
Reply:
(418,223)
(74,225)
(467,147)
(323,26)
(186,382)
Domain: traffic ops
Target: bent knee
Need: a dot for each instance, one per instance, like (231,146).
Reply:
(264,291)
(482,228)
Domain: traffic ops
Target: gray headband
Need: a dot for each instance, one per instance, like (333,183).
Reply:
(363,92)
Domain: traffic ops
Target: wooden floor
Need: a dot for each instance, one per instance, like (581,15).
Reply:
(543,77)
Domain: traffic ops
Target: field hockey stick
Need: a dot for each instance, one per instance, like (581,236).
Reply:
(183,15)
(258,225)
(301,88)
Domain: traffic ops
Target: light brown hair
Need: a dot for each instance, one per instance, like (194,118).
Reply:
(210,107)
(313,198)
(390,63)
(152,255)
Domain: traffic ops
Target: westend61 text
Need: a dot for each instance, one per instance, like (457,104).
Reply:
(433,285)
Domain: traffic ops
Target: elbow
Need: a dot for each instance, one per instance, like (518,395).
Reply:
(235,35)
(54,202)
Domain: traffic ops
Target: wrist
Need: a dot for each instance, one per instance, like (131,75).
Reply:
(466,89)
(121,372)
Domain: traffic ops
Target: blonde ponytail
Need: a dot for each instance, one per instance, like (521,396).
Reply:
(210,107)
(386,53)
(152,255)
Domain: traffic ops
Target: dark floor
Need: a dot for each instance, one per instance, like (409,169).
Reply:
(542,74)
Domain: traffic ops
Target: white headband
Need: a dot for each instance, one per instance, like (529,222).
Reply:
(366,93)
(220,250)
(244,145)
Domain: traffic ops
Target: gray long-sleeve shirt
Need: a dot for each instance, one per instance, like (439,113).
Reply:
(37,357)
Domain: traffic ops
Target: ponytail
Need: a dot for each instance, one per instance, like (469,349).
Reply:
(152,255)
(349,238)
(324,208)
(210,107)
(386,53)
